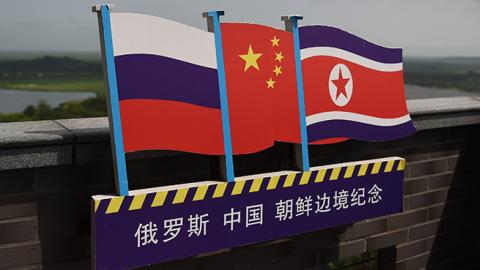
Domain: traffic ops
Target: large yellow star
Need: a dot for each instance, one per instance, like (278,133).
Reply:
(250,59)
(270,83)
(275,41)
(277,70)
(279,56)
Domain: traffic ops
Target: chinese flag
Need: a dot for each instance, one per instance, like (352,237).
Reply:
(261,86)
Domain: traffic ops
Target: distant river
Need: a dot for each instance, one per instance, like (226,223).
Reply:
(16,101)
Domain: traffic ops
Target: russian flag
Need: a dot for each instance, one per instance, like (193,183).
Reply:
(167,85)
(353,88)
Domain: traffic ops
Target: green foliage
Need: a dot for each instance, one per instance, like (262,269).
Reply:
(48,66)
(54,73)
(469,81)
(451,65)
(49,73)
(90,107)
(14,117)
(459,73)
(365,261)
(58,84)
(27,55)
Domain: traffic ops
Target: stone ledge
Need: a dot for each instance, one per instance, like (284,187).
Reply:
(87,129)
(70,141)
(444,112)
(34,157)
(21,134)
(433,106)
(426,113)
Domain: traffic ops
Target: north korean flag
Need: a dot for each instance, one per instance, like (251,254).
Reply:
(261,86)
(353,88)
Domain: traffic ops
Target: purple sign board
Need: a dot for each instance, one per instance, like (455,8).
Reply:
(163,224)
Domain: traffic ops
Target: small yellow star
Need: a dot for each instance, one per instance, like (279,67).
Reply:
(279,56)
(270,83)
(250,59)
(275,41)
(277,70)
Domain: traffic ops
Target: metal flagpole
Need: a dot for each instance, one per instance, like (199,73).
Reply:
(213,20)
(291,25)
(118,152)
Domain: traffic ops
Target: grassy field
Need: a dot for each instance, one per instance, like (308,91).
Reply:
(52,73)
(447,65)
(456,72)
(28,55)
(56,84)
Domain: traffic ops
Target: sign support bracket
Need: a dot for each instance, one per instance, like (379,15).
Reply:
(213,21)
(118,152)
(291,25)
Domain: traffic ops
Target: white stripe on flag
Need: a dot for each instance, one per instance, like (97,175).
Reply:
(355,117)
(143,34)
(354,58)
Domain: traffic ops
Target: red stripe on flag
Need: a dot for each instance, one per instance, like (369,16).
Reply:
(171,125)
(329,141)
(375,93)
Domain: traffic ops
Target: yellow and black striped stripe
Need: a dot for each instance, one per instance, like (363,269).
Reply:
(213,191)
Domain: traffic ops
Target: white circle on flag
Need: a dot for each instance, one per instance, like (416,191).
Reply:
(340,85)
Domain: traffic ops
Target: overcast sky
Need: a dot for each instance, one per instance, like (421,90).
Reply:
(421,27)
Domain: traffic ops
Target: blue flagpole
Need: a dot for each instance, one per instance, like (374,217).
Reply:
(291,23)
(118,151)
(214,25)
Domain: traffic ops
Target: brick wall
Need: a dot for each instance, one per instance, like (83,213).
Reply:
(49,169)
